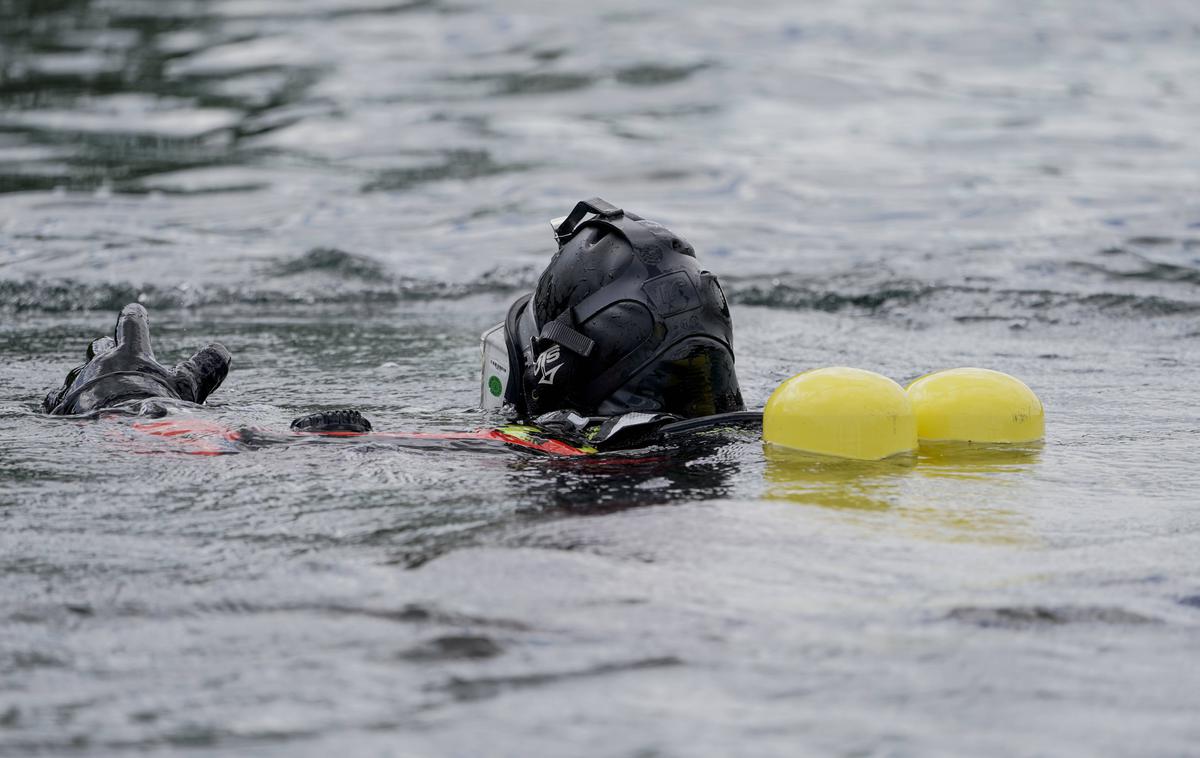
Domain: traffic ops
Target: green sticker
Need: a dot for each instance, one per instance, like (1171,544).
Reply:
(494,386)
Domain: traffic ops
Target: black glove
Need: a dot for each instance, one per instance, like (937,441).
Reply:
(324,422)
(123,367)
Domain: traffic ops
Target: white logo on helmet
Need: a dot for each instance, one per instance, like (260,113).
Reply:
(546,373)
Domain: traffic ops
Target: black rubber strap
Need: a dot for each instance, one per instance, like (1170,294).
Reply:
(751,419)
(625,288)
(558,332)
(596,205)
(608,382)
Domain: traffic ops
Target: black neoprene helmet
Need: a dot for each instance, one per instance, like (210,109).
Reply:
(623,319)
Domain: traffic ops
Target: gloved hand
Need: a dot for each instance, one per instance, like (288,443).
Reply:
(123,367)
(344,421)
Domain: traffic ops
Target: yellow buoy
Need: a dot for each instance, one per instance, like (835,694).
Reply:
(976,405)
(844,412)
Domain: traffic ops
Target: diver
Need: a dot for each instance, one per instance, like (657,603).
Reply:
(625,341)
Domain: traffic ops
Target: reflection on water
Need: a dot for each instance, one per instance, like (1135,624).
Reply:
(967,460)
(617,481)
(906,491)
(835,483)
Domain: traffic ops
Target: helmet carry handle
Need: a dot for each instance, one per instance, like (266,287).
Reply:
(566,226)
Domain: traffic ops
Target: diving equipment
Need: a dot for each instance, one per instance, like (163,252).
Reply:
(842,412)
(344,421)
(622,320)
(976,405)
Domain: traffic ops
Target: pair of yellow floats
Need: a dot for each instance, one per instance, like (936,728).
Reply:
(857,414)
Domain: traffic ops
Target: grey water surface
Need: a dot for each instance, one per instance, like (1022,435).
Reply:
(346,193)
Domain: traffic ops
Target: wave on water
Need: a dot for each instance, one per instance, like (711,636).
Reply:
(1141,259)
(329,276)
(1021,617)
(961,302)
(320,276)
(1145,277)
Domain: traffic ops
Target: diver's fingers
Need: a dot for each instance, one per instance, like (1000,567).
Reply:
(204,371)
(133,329)
(54,397)
(50,402)
(100,346)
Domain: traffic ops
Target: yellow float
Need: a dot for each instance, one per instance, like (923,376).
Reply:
(843,412)
(976,405)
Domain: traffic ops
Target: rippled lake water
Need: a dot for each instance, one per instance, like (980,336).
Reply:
(347,193)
